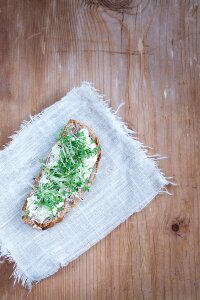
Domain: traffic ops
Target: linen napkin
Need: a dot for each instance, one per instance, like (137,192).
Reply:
(126,182)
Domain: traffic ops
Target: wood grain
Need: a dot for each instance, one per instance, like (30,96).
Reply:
(147,54)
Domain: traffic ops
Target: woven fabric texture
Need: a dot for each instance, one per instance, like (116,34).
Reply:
(126,182)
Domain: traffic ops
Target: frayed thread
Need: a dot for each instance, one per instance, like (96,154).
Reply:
(23,125)
(119,107)
(18,275)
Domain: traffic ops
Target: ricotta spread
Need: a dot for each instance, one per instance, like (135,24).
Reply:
(89,162)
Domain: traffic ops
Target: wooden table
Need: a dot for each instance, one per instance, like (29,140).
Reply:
(147,54)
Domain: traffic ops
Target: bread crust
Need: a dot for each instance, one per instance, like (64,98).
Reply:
(68,206)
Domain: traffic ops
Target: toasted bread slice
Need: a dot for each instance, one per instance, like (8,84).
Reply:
(72,127)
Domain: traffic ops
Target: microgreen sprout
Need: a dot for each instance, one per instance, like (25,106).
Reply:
(67,176)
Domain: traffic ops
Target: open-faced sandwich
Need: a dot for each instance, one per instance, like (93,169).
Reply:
(66,175)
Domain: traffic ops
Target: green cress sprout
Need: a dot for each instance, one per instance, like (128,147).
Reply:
(67,175)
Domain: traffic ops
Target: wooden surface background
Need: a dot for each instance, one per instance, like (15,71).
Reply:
(146,53)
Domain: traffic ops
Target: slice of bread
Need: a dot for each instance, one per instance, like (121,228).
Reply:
(72,127)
